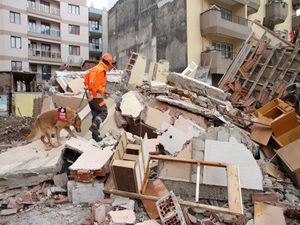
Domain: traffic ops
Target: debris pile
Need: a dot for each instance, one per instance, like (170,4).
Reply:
(175,150)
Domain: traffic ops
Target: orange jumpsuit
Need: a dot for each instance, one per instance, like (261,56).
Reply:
(95,82)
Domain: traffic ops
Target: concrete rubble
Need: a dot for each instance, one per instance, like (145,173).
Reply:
(175,150)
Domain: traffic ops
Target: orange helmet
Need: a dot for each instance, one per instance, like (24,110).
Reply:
(108,58)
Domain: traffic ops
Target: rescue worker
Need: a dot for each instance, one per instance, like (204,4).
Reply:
(95,84)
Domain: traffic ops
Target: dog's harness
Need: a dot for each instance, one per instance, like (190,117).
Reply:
(61,114)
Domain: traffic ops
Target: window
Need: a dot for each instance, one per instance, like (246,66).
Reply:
(45,6)
(32,26)
(226,14)
(16,65)
(33,67)
(32,48)
(15,17)
(225,49)
(73,9)
(46,49)
(94,43)
(74,50)
(45,28)
(74,29)
(94,25)
(15,42)
(31,3)
(46,72)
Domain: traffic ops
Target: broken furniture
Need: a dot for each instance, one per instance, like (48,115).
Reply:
(127,166)
(234,188)
(283,120)
(264,66)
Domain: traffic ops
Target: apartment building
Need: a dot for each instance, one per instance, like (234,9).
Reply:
(208,32)
(98,38)
(41,35)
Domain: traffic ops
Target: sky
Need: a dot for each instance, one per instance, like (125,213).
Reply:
(102,3)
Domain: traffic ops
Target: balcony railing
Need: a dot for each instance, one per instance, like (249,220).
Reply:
(43,8)
(95,29)
(95,11)
(50,32)
(233,18)
(219,61)
(44,54)
(95,47)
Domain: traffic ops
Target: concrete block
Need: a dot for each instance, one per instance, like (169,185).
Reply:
(89,193)
(223,134)
(236,133)
(98,213)
(61,180)
(212,133)
(198,144)
(122,217)
(6,212)
(131,105)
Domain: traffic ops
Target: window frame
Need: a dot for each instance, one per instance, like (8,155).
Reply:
(18,68)
(72,50)
(73,28)
(73,9)
(13,14)
(13,42)
(226,49)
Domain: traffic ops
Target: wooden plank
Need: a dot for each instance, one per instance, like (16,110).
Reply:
(262,134)
(154,188)
(265,214)
(262,70)
(197,183)
(191,161)
(234,189)
(181,202)
(272,73)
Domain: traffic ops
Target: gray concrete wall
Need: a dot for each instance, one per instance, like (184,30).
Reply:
(133,25)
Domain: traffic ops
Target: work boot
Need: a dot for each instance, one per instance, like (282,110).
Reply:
(94,130)
(96,137)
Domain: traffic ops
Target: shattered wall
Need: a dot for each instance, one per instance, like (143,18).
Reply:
(140,26)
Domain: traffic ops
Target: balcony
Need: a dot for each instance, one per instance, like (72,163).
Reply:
(296,4)
(41,33)
(276,12)
(218,62)
(232,2)
(95,29)
(95,10)
(95,48)
(253,6)
(43,10)
(216,22)
(40,55)
(295,22)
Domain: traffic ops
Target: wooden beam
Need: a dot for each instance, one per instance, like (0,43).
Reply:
(190,161)
(180,201)
(234,189)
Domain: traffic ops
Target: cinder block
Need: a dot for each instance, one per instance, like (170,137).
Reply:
(61,180)
(79,193)
(98,213)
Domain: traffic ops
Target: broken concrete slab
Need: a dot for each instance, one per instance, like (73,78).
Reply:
(98,213)
(131,105)
(172,139)
(234,153)
(155,117)
(199,87)
(29,165)
(157,87)
(80,145)
(190,70)
(189,127)
(138,70)
(185,105)
(89,193)
(76,85)
(265,214)
(123,202)
(61,180)
(7,212)
(148,222)
(159,71)
(122,216)
(93,159)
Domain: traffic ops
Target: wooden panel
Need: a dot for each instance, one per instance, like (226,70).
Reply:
(124,174)
(154,188)
(178,171)
(234,189)
(265,214)
(284,123)
(262,134)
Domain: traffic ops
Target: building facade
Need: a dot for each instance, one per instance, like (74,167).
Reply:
(41,35)
(207,32)
(98,38)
